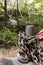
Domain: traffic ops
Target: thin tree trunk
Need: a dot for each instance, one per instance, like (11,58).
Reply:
(5,12)
(17,13)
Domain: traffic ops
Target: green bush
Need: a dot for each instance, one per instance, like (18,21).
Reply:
(35,19)
(8,37)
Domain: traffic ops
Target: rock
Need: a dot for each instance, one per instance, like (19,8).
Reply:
(14,61)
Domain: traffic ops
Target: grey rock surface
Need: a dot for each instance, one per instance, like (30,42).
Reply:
(14,61)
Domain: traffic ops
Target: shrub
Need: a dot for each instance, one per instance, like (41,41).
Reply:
(8,37)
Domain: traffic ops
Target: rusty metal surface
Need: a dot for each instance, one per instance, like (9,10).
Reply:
(29,30)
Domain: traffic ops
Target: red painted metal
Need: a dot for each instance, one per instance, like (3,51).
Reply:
(40,34)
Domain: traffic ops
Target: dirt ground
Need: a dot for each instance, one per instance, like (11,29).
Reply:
(6,53)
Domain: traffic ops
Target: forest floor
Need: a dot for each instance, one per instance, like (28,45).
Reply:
(7,53)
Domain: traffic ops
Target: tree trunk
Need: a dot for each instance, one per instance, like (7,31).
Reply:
(5,12)
(17,13)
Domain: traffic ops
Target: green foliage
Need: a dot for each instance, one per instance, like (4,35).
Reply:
(36,1)
(35,14)
(8,37)
(1,6)
(36,19)
(24,7)
(1,13)
(30,15)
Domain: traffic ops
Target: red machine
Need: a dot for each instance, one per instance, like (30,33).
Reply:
(40,34)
